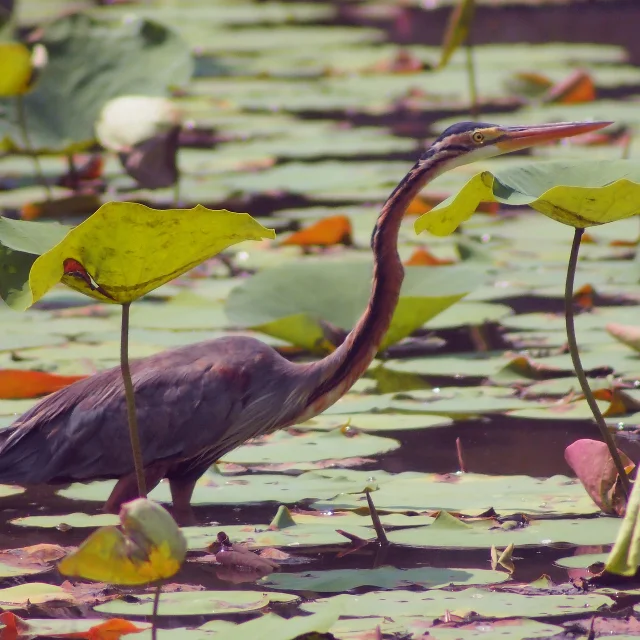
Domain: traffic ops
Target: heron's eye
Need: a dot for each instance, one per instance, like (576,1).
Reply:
(478,137)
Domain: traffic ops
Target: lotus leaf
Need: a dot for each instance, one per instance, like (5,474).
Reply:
(494,604)
(579,194)
(194,603)
(125,250)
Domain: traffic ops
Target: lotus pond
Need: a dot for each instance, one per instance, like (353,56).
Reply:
(306,115)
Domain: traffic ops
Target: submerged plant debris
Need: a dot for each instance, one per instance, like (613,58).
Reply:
(306,115)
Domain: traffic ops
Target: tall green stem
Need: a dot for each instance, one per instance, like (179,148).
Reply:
(131,402)
(577,365)
(22,123)
(471,77)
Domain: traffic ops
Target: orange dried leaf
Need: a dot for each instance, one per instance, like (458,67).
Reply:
(324,233)
(16,384)
(584,297)
(15,628)
(578,87)
(423,258)
(112,629)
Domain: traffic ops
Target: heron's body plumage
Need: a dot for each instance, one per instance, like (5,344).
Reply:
(229,389)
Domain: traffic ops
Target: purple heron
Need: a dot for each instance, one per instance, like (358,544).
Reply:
(201,401)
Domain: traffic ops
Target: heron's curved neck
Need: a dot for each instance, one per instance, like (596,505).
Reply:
(336,373)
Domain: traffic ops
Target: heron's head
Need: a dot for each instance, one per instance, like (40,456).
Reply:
(467,142)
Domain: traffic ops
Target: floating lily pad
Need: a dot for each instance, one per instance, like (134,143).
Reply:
(473,493)
(259,536)
(251,488)
(486,534)
(382,577)
(510,629)
(194,603)
(74,520)
(494,604)
(372,422)
(309,447)
(582,561)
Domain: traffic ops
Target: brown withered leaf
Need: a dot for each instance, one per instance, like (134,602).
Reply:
(592,463)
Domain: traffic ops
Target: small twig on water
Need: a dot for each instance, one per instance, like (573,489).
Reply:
(154,614)
(131,402)
(375,518)
(22,123)
(577,365)
(461,465)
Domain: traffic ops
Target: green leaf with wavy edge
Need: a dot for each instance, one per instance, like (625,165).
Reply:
(299,301)
(125,249)
(579,194)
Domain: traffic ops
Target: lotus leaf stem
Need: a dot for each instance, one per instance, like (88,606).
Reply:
(473,87)
(577,365)
(131,402)
(22,123)
(154,613)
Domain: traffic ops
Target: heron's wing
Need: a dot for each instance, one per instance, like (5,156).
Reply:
(186,400)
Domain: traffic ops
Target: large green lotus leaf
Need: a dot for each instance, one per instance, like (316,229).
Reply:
(338,292)
(282,446)
(334,581)
(20,243)
(129,249)
(579,194)
(90,62)
(215,488)
(193,603)
(512,629)
(374,422)
(261,536)
(436,602)
(473,493)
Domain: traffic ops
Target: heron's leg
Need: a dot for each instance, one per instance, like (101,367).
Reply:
(181,492)
(126,488)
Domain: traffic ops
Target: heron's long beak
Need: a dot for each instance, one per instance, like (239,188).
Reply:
(526,136)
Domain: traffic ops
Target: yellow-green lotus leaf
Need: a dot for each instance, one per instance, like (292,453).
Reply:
(15,68)
(580,194)
(149,547)
(125,250)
